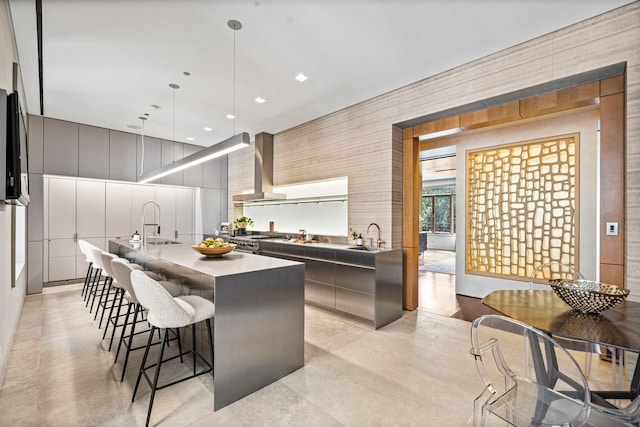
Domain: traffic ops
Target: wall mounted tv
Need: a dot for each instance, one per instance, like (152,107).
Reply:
(14,184)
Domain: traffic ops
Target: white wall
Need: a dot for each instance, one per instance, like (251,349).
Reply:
(11,299)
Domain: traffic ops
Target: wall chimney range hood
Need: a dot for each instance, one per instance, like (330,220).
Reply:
(263,175)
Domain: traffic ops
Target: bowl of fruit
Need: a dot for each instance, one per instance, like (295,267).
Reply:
(211,247)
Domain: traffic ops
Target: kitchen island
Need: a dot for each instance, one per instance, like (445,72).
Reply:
(259,321)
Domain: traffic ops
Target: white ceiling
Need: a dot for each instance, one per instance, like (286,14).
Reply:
(106,62)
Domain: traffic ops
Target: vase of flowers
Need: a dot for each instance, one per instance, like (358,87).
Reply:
(241,224)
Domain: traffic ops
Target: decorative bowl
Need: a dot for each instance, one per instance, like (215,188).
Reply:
(588,296)
(214,252)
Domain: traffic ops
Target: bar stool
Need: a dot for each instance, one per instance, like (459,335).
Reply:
(97,287)
(84,248)
(167,312)
(122,272)
(107,262)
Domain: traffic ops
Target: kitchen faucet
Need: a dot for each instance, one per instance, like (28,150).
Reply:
(144,224)
(379,242)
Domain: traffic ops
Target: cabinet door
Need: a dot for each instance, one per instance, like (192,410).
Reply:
(118,210)
(166,198)
(93,149)
(90,209)
(60,147)
(62,259)
(184,211)
(62,208)
(122,156)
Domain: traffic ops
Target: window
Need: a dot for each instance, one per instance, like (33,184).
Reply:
(439,210)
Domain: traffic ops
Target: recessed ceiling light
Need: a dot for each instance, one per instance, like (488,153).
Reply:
(230,116)
(301,77)
(190,138)
(155,107)
(260,100)
(208,129)
(186,73)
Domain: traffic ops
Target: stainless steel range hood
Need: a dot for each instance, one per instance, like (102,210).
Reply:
(263,176)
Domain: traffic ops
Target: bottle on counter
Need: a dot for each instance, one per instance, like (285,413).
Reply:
(135,236)
(359,240)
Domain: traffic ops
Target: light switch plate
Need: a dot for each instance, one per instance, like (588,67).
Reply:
(612,229)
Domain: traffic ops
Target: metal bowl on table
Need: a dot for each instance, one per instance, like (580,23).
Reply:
(214,252)
(588,296)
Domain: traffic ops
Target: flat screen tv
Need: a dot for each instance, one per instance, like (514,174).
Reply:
(17,161)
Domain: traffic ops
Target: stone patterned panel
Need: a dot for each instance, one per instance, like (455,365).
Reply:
(521,206)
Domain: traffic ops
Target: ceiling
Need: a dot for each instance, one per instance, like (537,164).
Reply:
(105,63)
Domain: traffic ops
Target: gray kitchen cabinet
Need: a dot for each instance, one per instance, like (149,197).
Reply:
(118,214)
(152,155)
(93,152)
(212,172)
(36,141)
(122,156)
(364,285)
(60,147)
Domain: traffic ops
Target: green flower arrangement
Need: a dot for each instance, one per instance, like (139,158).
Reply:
(242,222)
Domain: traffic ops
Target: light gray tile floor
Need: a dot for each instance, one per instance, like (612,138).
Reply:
(415,372)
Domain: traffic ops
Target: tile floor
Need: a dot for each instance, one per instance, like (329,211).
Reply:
(416,371)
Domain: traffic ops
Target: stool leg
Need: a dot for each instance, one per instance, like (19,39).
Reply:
(86,279)
(179,344)
(210,343)
(92,286)
(193,346)
(157,375)
(124,328)
(115,320)
(144,361)
(133,329)
(109,317)
(104,298)
(93,300)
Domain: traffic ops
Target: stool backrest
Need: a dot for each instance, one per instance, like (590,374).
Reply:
(159,301)
(105,259)
(95,253)
(84,248)
(122,273)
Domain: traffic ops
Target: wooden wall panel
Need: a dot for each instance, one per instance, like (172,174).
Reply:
(612,188)
(411,201)
(437,126)
(562,100)
(612,86)
(491,116)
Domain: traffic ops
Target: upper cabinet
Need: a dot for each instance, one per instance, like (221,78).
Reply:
(122,156)
(36,135)
(60,147)
(93,145)
(192,177)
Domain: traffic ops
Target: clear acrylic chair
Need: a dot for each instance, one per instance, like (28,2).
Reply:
(530,380)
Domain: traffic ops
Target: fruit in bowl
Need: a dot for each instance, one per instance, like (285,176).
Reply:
(211,247)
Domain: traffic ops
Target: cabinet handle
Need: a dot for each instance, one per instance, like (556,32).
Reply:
(176,234)
(75,237)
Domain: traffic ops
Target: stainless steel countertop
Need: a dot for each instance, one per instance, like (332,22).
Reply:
(229,264)
(335,246)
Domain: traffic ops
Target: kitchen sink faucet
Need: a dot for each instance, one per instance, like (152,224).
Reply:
(379,241)
(144,224)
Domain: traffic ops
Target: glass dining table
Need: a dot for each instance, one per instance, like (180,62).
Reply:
(616,329)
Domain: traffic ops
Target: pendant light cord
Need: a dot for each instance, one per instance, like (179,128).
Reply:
(174,113)
(234,83)
(142,150)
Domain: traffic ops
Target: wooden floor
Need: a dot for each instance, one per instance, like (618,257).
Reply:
(437,292)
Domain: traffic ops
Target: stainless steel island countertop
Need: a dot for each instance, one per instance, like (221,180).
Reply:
(259,321)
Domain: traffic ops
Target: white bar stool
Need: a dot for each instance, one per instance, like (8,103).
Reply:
(167,312)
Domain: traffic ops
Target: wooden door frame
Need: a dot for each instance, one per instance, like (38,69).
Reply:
(609,93)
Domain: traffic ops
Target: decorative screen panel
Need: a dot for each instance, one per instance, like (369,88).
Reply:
(521,208)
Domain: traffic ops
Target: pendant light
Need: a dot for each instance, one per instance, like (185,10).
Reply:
(235,26)
(142,120)
(235,142)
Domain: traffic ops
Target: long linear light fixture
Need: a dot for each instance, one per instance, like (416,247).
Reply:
(227,146)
